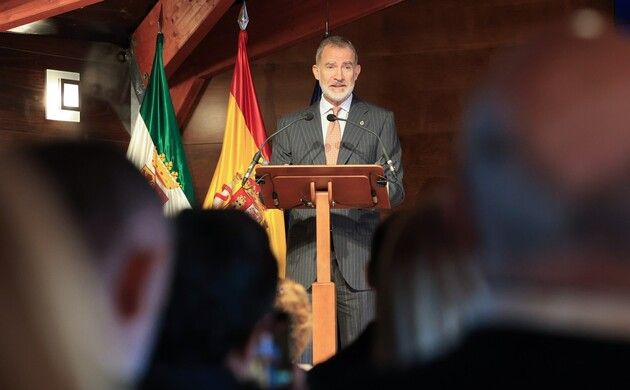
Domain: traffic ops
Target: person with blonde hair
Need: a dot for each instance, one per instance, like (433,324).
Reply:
(293,299)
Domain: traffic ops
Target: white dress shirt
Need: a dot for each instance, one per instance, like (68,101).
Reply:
(325,108)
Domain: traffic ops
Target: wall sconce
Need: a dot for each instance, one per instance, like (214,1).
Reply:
(70,95)
(63,97)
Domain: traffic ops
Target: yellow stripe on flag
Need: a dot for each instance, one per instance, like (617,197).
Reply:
(238,149)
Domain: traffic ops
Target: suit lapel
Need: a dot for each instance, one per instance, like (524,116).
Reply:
(352,134)
(312,140)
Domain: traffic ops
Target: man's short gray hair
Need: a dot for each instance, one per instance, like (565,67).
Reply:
(337,41)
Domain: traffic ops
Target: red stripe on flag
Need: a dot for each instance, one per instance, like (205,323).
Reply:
(245,95)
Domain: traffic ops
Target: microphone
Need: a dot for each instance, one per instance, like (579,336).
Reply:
(333,117)
(307,116)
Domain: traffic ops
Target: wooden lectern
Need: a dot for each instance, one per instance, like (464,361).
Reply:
(323,187)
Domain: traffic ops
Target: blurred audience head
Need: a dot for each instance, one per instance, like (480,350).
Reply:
(51,335)
(547,161)
(128,238)
(292,299)
(426,286)
(224,288)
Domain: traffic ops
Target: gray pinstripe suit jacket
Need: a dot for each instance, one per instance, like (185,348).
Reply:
(303,144)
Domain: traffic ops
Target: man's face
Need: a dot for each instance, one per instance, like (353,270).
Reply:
(336,71)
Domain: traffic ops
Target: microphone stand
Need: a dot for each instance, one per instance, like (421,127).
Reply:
(390,163)
(307,116)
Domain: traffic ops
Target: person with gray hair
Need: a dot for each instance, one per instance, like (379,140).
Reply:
(341,141)
(546,164)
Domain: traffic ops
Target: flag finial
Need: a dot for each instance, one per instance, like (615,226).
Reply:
(243,18)
(160,20)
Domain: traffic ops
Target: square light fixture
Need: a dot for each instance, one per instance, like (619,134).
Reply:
(63,96)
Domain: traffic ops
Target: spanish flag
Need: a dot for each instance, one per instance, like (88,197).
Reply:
(244,133)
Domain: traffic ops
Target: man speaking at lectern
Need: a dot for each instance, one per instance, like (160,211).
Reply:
(341,142)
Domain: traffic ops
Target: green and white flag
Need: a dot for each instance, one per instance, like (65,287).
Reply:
(156,145)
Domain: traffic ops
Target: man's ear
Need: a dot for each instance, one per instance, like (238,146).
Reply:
(316,72)
(357,70)
(132,283)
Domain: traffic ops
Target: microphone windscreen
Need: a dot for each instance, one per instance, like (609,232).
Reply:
(309,116)
(331,117)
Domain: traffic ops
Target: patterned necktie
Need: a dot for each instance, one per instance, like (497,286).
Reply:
(333,140)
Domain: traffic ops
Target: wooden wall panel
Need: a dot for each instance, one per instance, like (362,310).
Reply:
(420,58)
(104,89)
(201,160)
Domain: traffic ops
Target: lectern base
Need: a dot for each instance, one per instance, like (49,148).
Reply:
(324,321)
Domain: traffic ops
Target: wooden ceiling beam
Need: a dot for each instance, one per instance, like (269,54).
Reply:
(184,24)
(15,13)
(185,97)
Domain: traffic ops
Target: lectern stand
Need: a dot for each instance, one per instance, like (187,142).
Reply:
(323,187)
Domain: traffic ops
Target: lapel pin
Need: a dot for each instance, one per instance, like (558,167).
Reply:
(362,123)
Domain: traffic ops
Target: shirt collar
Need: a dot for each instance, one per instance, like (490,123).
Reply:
(325,106)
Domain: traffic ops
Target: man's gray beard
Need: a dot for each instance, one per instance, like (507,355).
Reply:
(330,96)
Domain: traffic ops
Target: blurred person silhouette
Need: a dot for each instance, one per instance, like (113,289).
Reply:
(356,358)
(221,303)
(425,287)
(50,328)
(428,287)
(547,166)
(129,243)
(547,162)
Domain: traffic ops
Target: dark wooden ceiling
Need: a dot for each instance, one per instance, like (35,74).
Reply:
(112,21)
(200,36)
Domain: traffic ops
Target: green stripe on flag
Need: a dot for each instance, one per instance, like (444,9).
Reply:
(159,116)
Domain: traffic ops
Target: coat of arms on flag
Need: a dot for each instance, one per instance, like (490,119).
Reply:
(241,197)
